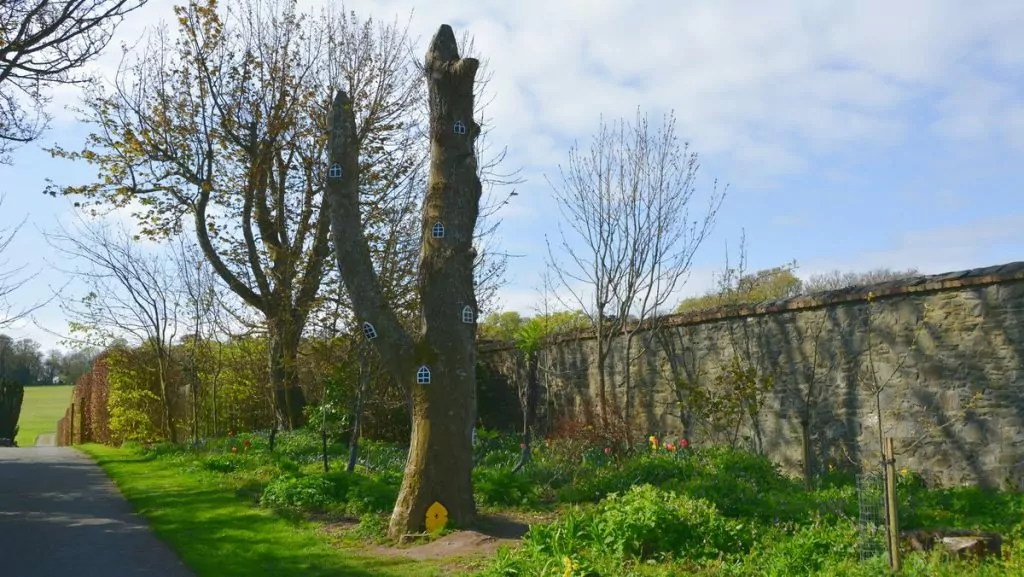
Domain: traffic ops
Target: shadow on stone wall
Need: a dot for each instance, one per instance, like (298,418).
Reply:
(953,343)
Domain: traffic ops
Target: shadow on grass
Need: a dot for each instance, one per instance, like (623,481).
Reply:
(218,533)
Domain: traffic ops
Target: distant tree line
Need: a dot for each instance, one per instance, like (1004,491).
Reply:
(736,286)
(733,287)
(23,361)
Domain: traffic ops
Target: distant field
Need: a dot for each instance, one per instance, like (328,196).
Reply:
(40,411)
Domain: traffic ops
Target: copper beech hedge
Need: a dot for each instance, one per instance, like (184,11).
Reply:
(89,402)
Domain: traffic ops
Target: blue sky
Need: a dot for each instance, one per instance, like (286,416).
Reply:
(853,135)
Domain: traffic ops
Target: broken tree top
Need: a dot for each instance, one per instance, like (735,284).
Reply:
(444,49)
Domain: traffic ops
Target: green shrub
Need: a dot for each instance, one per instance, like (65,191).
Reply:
(644,522)
(354,493)
(370,493)
(287,465)
(308,493)
(502,487)
(647,521)
(372,527)
(570,534)
(222,463)
(807,550)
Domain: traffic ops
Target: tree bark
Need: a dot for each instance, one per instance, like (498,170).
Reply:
(289,400)
(440,462)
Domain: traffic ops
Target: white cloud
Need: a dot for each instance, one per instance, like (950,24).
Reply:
(755,83)
(529,301)
(932,251)
(759,89)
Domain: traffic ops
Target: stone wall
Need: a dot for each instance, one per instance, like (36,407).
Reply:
(947,352)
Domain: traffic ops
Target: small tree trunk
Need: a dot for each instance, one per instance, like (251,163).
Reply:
(195,403)
(213,390)
(602,386)
(169,427)
(628,391)
(357,414)
(529,408)
(323,441)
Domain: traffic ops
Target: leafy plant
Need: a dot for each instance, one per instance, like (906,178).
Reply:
(225,463)
(311,493)
(734,397)
(500,486)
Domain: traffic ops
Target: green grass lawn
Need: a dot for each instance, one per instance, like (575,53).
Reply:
(229,507)
(42,408)
(220,534)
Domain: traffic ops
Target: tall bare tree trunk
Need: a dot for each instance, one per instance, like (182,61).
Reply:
(440,462)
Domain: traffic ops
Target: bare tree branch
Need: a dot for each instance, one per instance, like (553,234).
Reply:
(627,201)
(42,44)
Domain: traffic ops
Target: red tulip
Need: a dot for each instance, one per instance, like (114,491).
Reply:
(684,443)
(607,450)
(522,446)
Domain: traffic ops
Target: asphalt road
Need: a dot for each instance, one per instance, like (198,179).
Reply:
(60,516)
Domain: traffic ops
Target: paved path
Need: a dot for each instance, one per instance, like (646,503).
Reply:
(45,440)
(60,516)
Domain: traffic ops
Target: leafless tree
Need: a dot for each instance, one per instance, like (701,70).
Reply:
(203,301)
(813,378)
(131,294)
(628,201)
(836,280)
(44,43)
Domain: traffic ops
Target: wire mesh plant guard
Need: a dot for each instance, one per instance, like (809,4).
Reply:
(871,518)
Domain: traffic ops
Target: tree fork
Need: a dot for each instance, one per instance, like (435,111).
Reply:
(440,462)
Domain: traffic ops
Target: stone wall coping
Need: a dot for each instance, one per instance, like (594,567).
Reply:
(1009,272)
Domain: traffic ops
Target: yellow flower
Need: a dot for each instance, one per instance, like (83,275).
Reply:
(871,296)
(904,472)
(569,566)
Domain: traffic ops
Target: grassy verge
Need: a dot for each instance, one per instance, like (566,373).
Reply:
(42,408)
(219,534)
(596,509)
